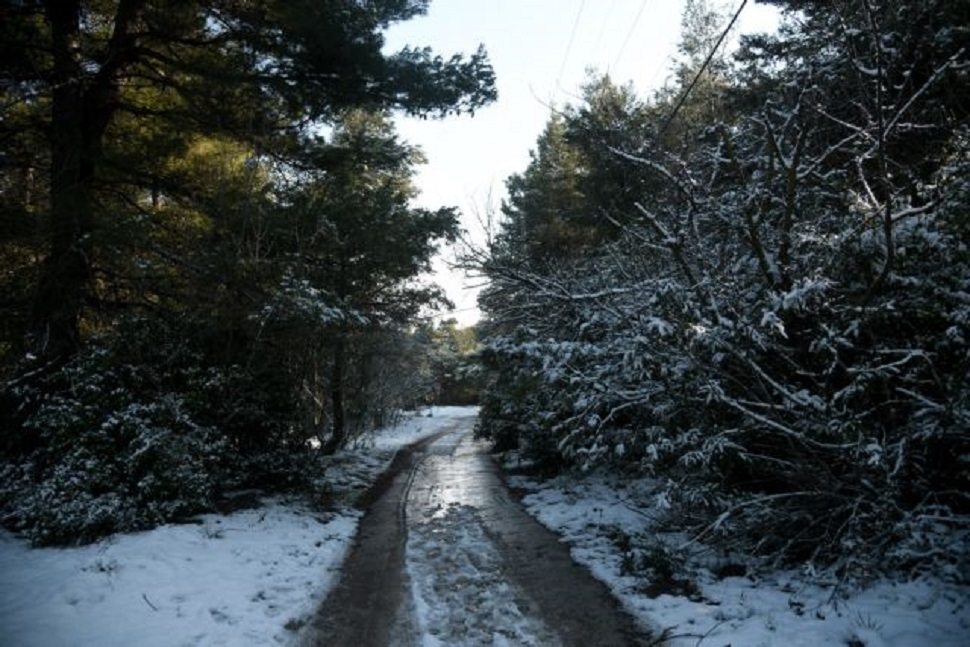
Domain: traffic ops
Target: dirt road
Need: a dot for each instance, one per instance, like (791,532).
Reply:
(445,556)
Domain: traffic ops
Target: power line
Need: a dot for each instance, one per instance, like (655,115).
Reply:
(629,34)
(606,20)
(660,68)
(569,47)
(707,62)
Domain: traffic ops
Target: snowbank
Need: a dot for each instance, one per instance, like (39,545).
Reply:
(602,518)
(250,578)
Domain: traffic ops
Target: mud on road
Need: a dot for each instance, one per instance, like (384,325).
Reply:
(444,555)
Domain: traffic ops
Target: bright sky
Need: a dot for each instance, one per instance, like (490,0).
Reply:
(540,50)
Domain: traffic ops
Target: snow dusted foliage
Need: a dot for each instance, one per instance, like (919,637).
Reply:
(145,464)
(137,430)
(779,326)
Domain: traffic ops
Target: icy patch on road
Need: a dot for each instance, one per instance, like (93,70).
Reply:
(417,425)
(350,472)
(461,596)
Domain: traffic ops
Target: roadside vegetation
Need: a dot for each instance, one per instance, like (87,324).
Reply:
(752,287)
(210,263)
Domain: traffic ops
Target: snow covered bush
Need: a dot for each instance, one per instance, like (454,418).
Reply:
(515,405)
(135,431)
(137,467)
(777,323)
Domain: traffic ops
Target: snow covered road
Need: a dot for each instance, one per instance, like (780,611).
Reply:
(446,557)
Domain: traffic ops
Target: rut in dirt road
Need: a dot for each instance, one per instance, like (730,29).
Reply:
(445,556)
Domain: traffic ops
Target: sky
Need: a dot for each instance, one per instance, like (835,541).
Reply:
(540,51)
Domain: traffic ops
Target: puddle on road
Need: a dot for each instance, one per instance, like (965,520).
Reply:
(454,473)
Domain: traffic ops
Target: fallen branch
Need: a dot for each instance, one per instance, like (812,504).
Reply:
(148,602)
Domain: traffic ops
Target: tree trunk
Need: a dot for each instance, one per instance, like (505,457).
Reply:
(57,305)
(338,435)
(82,106)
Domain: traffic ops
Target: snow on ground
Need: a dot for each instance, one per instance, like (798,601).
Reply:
(603,519)
(460,592)
(250,578)
(256,576)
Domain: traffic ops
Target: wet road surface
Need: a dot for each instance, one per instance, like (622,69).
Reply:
(444,555)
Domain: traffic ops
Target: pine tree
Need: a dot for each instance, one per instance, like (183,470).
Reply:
(213,258)
(777,329)
(363,245)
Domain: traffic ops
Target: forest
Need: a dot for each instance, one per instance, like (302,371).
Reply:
(752,285)
(210,265)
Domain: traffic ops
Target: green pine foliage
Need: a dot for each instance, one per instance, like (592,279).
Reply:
(209,260)
(116,440)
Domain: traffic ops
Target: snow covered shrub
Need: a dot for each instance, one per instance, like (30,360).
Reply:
(135,431)
(134,468)
(777,322)
(832,410)
(515,409)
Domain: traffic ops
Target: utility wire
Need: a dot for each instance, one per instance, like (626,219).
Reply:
(606,20)
(660,68)
(569,46)
(629,33)
(707,62)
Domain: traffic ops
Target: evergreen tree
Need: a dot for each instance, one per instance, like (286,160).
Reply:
(363,245)
(776,328)
(692,99)
(199,279)
(255,72)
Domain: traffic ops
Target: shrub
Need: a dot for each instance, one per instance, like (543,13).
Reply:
(106,471)
(137,430)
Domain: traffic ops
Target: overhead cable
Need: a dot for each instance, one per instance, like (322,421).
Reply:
(707,62)
(629,33)
(569,46)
